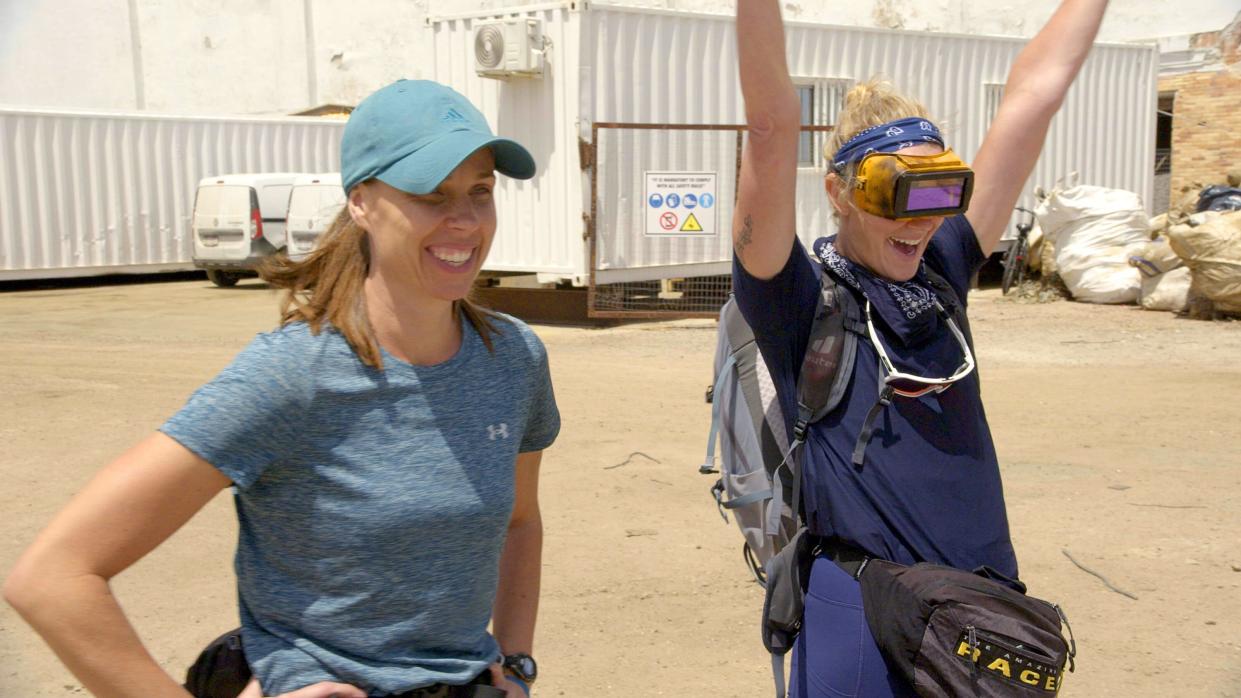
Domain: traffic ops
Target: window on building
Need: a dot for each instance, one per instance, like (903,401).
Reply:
(805,147)
(821,102)
(1163,133)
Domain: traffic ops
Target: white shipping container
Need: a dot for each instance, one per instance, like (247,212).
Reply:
(609,63)
(83,194)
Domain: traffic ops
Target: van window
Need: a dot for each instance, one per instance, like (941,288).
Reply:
(274,201)
(317,200)
(222,200)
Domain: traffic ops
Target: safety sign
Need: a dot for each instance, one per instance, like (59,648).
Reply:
(680,204)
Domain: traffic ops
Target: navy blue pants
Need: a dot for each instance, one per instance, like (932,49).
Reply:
(835,654)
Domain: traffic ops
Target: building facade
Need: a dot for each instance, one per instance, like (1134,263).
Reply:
(237,57)
(1200,105)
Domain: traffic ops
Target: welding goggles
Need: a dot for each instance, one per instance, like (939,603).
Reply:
(895,185)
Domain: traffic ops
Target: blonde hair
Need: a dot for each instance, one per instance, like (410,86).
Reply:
(868,104)
(327,287)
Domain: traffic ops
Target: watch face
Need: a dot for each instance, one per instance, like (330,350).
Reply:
(523,665)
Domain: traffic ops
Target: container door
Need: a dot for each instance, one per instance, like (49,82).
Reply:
(221,222)
(312,208)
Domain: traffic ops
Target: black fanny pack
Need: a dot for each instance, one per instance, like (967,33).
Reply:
(955,633)
(221,671)
(948,632)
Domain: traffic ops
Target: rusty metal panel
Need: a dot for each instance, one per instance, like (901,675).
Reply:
(625,155)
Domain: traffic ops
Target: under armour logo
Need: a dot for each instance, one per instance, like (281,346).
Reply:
(453,115)
(930,139)
(926,126)
(906,144)
(895,131)
(497,431)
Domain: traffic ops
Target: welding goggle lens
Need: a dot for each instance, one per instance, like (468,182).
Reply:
(896,186)
(932,194)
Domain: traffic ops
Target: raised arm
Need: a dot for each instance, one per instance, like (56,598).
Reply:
(1036,86)
(763,224)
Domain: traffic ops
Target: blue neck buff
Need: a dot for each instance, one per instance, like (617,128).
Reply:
(887,138)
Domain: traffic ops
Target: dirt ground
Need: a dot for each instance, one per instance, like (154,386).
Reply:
(1117,430)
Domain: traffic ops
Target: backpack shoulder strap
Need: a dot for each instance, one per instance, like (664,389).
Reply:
(828,363)
(826,369)
(953,302)
(733,326)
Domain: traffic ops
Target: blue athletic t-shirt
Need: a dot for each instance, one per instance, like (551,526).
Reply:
(929,489)
(373,505)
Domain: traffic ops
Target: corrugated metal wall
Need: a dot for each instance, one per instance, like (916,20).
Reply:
(672,67)
(540,220)
(84,194)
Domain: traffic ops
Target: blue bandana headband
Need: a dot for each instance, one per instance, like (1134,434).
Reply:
(887,138)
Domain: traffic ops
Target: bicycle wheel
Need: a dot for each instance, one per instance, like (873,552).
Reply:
(1014,265)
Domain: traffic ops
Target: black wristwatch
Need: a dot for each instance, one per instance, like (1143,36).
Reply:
(523,665)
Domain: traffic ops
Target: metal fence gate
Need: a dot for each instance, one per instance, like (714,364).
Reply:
(671,261)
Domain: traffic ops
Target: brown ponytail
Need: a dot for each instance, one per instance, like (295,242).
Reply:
(327,286)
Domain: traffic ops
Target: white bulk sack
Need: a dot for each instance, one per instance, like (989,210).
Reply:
(1165,278)
(1167,291)
(1155,257)
(1095,231)
(1036,239)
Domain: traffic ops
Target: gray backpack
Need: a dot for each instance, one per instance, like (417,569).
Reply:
(759,467)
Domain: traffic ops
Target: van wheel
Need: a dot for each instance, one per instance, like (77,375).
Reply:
(223,279)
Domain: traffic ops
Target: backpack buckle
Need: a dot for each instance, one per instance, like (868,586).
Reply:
(717,492)
(799,430)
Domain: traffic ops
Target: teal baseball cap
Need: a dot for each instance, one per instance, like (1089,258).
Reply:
(413,133)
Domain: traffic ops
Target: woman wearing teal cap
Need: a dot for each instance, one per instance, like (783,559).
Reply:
(383,445)
(903,468)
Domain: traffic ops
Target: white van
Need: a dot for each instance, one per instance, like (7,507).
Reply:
(239,220)
(313,205)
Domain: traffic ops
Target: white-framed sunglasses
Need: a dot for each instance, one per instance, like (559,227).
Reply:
(907,384)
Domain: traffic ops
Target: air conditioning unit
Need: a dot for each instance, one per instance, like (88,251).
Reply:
(509,48)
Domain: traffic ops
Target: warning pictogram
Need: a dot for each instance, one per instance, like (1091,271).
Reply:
(680,204)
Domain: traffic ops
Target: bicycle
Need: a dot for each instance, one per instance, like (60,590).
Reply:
(1014,261)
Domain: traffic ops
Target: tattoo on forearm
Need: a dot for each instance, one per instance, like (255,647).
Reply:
(745,236)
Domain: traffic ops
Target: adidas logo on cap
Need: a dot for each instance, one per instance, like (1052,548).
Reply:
(452,115)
